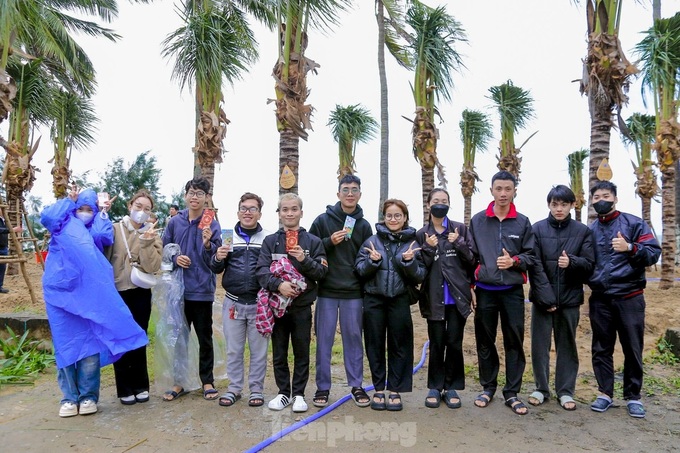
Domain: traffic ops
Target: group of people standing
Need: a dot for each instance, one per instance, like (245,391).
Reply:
(368,281)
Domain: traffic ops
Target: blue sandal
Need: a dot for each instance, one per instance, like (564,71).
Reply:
(601,404)
(391,405)
(452,395)
(378,402)
(636,409)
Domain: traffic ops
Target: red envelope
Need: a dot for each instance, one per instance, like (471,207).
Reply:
(291,239)
(206,220)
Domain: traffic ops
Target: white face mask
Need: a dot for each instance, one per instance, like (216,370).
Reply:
(139,216)
(85,217)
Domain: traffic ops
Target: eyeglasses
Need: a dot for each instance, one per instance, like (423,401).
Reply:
(347,190)
(197,194)
(394,216)
(252,209)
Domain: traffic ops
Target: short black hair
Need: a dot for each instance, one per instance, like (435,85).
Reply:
(561,193)
(504,176)
(199,182)
(349,179)
(435,190)
(603,185)
(174,206)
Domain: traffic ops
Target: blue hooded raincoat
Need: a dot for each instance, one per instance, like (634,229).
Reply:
(86,314)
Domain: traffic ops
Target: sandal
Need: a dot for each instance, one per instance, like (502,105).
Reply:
(360,397)
(172,394)
(229,398)
(567,400)
(601,403)
(256,400)
(516,405)
(391,405)
(435,395)
(537,398)
(636,409)
(484,399)
(378,402)
(321,398)
(210,393)
(449,395)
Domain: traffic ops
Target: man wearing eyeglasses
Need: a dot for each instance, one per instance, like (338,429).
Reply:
(238,263)
(197,249)
(340,292)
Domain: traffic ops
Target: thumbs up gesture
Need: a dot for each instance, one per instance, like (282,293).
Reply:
(453,236)
(619,243)
(563,260)
(504,261)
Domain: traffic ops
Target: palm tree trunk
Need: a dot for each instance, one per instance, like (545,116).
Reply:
(289,155)
(600,134)
(578,215)
(677,213)
(668,245)
(646,204)
(384,114)
(427,178)
(467,210)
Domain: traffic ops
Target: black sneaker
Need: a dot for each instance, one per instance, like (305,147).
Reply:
(4,290)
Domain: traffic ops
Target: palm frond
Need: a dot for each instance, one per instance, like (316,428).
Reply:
(515,105)
(475,133)
(353,123)
(75,119)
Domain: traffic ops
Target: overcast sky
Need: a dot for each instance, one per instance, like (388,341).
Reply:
(537,44)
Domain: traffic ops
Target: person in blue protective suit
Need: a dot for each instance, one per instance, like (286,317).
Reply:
(91,326)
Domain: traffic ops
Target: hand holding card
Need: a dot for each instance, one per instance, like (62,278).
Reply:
(349,227)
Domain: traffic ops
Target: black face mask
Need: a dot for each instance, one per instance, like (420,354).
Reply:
(439,210)
(603,207)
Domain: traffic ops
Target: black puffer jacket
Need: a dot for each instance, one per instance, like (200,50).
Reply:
(239,279)
(341,282)
(454,262)
(620,274)
(381,277)
(564,286)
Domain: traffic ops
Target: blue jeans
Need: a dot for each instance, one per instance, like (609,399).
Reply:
(80,381)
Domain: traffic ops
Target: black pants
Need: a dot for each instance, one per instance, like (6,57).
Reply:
(446,368)
(296,327)
(509,305)
(387,320)
(132,375)
(561,323)
(199,313)
(609,316)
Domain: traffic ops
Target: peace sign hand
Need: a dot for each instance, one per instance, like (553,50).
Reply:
(150,232)
(373,254)
(410,253)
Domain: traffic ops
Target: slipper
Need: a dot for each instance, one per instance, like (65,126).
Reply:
(391,405)
(601,404)
(172,395)
(635,409)
(484,399)
(566,399)
(537,398)
(433,394)
(516,405)
(321,398)
(360,397)
(228,399)
(210,394)
(378,402)
(449,395)
(256,400)
(142,397)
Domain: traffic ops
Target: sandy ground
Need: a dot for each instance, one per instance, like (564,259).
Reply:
(29,420)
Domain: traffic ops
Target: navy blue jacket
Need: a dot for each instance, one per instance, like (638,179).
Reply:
(618,274)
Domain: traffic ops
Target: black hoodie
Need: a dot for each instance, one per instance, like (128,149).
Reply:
(341,281)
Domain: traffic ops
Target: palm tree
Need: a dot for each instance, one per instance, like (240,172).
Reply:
(475,133)
(214,43)
(350,125)
(391,35)
(515,107)
(659,53)
(575,169)
(434,37)
(293,115)
(73,127)
(641,132)
(606,77)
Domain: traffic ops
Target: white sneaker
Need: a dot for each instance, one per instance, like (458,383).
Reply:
(279,403)
(299,404)
(68,409)
(88,407)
